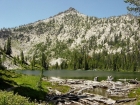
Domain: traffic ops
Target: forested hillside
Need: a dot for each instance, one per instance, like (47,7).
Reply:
(71,40)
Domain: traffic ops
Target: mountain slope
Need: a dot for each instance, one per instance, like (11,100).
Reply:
(59,35)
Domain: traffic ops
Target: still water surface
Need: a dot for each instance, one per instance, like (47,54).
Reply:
(83,74)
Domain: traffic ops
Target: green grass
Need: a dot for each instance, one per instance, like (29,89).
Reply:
(61,88)
(26,85)
(135,94)
(138,103)
(29,81)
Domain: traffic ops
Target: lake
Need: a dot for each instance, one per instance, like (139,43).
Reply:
(81,74)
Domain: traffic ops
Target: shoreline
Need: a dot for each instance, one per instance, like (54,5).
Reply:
(80,88)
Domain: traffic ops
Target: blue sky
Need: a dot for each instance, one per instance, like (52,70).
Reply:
(20,12)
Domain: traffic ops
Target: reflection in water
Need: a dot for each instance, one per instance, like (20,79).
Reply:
(81,74)
(87,75)
(100,91)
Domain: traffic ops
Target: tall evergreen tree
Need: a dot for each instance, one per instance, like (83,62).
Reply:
(14,60)
(63,65)
(114,62)
(8,47)
(74,60)
(39,83)
(43,61)
(22,57)
(56,66)
(33,62)
(85,62)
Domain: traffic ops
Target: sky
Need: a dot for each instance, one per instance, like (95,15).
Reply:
(19,12)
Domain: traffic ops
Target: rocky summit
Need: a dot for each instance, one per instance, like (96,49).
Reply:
(68,31)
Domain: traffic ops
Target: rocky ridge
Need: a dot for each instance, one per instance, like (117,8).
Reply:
(70,30)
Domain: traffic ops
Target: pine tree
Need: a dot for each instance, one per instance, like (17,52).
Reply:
(63,65)
(39,83)
(33,62)
(114,62)
(8,47)
(56,66)
(22,57)
(43,61)
(14,61)
(85,62)
(74,60)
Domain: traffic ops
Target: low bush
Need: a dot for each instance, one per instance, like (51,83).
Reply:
(8,98)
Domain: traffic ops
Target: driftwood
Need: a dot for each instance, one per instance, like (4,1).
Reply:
(81,91)
(125,100)
(87,102)
(109,78)
(133,82)
(100,99)
(85,98)
(95,78)
(79,87)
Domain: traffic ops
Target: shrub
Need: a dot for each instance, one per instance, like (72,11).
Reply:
(8,98)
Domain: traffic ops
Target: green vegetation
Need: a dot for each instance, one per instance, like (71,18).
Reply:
(1,66)
(135,93)
(27,86)
(110,48)
(43,62)
(138,103)
(125,60)
(91,53)
(32,82)
(8,47)
(22,58)
(135,6)
(9,98)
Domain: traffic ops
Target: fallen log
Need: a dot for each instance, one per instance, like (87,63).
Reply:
(125,100)
(80,91)
(133,82)
(88,102)
(76,103)
(100,99)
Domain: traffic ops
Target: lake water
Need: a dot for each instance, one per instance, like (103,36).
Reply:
(81,74)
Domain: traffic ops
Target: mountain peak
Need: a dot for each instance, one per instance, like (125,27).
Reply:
(71,9)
